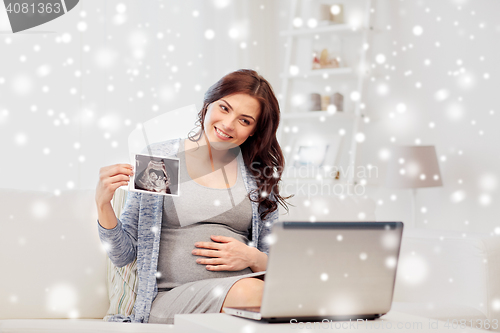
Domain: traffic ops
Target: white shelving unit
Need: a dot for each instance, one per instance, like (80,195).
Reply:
(320,72)
(316,114)
(337,28)
(353,116)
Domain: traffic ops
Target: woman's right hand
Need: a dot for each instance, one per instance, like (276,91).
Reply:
(110,178)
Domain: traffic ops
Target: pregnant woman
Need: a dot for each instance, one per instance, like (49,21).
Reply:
(206,248)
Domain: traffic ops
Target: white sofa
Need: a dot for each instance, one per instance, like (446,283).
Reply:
(54,268)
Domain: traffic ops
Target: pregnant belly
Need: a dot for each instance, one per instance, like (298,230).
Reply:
(177,264)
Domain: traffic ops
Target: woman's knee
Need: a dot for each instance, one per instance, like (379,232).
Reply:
(247,291)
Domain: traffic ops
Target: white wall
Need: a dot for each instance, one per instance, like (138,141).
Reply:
(456,54)
(155,57)
(458,38)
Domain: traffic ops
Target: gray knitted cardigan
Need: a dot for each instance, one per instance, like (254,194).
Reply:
(137,234)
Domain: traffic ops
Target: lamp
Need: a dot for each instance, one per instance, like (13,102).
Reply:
(413,167)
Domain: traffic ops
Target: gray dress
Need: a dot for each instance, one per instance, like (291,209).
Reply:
(185,286)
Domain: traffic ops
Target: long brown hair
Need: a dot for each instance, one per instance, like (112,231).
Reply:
(261,151)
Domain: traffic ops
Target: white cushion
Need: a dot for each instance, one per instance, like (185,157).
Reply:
(51,257)
(442,312)
(445,269)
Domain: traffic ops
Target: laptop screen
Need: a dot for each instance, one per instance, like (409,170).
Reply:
(331,268)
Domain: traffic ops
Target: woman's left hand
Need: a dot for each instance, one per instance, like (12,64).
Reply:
(228,254)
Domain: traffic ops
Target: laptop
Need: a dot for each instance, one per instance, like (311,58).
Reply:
(328,270)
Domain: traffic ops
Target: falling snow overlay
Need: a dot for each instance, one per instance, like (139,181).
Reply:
(74,89)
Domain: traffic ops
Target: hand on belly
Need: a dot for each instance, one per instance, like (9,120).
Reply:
(225,254)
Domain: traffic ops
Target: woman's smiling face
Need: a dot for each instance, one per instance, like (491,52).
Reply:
(231,120)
